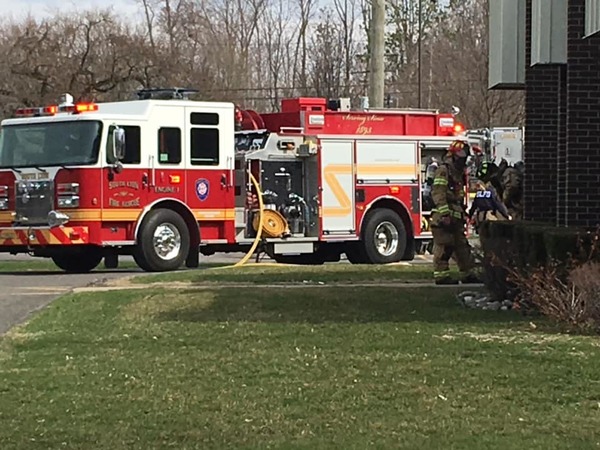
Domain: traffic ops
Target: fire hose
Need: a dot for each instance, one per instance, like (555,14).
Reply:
(260,224)
(276,225)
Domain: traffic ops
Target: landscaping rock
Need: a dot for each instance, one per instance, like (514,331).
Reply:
(507,303)
(494,306)
(478,300)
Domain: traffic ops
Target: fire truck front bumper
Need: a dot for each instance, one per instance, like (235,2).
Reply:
(43,236)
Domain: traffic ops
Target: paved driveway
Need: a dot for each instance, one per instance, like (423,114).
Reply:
(22,293)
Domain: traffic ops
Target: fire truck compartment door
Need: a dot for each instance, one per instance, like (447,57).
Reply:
(337,196)
(386,162)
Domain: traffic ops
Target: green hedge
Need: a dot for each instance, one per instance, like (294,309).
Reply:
(531,244)
(525,245)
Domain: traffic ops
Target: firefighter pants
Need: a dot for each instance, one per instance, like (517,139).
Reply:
(446,243)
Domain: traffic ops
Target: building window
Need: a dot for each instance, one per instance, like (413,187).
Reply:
(204,146)
(133,147)
(169,146)
(198,118)
(592,17)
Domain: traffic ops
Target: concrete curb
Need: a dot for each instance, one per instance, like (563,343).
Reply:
(192,286)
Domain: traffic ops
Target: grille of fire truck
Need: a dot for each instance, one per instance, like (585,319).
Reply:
(34,200)
(165,93)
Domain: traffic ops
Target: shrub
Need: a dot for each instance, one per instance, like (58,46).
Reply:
(573,302)
(515,250)
(508,244)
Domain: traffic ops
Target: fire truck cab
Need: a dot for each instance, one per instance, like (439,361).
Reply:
(164,178)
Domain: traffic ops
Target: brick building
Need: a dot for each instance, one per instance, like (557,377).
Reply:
(551,49)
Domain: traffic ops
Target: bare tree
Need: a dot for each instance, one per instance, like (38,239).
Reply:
(461,69)
(256,52)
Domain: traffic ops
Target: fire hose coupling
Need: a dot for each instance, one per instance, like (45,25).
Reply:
(57,218)
(3,198)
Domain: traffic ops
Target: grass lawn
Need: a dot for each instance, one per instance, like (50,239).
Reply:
(334,367)
(279,273)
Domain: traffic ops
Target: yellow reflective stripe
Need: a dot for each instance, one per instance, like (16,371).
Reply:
(444,209)
(440,181)
(457,214)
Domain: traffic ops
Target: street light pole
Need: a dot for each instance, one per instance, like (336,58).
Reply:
(419,50)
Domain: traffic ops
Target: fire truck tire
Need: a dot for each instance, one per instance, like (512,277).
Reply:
(163,241)
(355,254)
(79,262)
(384,237)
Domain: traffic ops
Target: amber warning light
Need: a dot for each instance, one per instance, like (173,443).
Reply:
(54,109)
(459,128)
(449,127)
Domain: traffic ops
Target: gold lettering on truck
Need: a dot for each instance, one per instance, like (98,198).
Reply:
(35,176)
(363,121)
(123,184)
(131,203)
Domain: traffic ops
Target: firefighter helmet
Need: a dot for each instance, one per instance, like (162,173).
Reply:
(460,149)
(486,169)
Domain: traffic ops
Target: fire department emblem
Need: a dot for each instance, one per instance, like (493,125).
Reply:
(202,189)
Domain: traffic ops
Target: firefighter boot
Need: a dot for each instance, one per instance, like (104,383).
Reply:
(445,281)
(471,278)
(444,278)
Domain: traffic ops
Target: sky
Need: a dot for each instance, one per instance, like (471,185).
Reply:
(128,9)
(42,8)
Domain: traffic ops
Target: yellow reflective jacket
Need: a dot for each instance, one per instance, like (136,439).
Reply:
(448,194)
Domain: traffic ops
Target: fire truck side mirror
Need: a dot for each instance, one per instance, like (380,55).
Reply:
(119,144)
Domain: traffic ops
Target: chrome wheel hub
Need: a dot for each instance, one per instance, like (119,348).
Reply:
(167,241)
(386,239)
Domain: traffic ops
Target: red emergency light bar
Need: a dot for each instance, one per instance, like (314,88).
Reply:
(453,130)
(53,109)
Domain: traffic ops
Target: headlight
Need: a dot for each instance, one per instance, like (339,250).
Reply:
(67,195)
(3,198)
(68,202)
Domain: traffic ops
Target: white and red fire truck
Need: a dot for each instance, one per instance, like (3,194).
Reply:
(164,178)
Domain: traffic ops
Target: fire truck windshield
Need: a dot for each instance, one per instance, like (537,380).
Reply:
(47,144)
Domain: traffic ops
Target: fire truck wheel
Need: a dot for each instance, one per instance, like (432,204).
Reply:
(163,241)
(384,237)
(355,254)
(79,262)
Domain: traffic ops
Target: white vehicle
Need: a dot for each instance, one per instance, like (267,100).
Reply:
(500,143)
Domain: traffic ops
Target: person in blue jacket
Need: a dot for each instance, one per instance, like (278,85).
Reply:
(486,204)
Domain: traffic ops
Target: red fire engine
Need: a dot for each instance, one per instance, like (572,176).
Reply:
(164,178)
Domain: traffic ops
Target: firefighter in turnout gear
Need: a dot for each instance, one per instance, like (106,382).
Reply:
(448,219)
(512,194)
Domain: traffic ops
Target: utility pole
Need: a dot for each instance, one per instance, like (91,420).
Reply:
(377,69)
(419,49)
